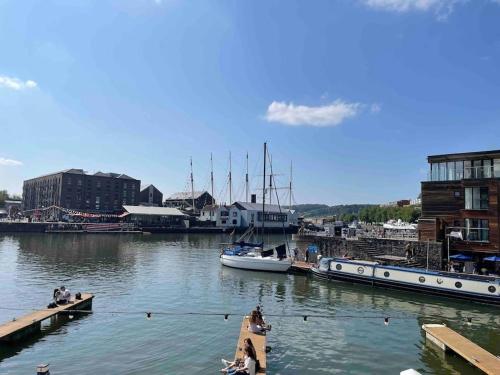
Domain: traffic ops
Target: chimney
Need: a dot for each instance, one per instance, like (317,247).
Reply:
(253,198)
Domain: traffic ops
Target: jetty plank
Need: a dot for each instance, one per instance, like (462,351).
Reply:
(259,342)
(448,338)
(31,322)
(299,266)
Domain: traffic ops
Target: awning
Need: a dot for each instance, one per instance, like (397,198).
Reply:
(461,257)
(494,258)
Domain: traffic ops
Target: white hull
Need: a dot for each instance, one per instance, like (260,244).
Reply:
(256,263)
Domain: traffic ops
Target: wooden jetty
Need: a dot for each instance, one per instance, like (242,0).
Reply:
(259,342)
(24,326)
(300,267)
(447,338)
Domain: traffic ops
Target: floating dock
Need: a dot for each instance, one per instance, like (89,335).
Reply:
(22,327)
(300,267)
(447,338)
(259,342)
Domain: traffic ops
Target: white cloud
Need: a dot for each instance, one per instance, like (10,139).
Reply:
(10,162)
(442,8)
(327,115)
(16,84)
(375,108)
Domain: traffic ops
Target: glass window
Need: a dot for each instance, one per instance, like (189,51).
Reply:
(476,198)
(467,169)
(476,230)
(434,172)
(496,168)
(442,171)
(476,169)
(487,168)
(459,170)
(451,170)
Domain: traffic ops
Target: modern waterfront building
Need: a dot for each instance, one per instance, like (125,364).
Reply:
(77,190)
(460,202)
(150,196)
(184,200)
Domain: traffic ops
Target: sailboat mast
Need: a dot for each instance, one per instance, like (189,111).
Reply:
(246,182)
(212,183)
(192,183)
(264,191)
(270,182)
(230,182)
(290,189)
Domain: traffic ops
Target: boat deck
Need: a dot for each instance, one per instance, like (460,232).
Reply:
(259,342)
(300,267)
(447,338)
(28,324)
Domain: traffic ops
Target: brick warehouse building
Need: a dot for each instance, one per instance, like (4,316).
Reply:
(461,197)
(77,190)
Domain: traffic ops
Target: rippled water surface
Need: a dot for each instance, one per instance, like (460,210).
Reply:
(182,273)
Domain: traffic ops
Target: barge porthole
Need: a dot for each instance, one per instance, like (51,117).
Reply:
(361,270)
(338,267)
(421,279)
(439,280)
(492,289)
(386,274)
(458,284)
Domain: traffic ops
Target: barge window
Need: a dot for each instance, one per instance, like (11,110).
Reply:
(386,274)
(338,267)
(421,279)
(458,284)
(492,289)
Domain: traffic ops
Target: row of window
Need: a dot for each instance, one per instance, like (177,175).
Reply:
(466,169)
(282,218)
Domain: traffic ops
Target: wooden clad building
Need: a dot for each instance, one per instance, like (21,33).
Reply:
(461,198)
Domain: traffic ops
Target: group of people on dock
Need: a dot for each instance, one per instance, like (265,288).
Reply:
(61,296)
(249,365)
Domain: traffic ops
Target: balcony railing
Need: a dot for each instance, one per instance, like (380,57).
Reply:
(477,234)
(452,174)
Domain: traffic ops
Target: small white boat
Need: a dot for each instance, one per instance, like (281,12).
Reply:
(256,262)
(250,256)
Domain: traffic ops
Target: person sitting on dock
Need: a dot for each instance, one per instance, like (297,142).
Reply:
(63,296)
(248,367)
(254,321)
(248,344)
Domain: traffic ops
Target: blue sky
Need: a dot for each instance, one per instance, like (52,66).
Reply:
(356,92)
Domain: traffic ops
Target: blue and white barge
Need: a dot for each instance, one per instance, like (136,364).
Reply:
(465,286)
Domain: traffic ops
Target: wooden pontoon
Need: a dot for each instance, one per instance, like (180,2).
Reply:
(22,327)
(447,338)
(259,342)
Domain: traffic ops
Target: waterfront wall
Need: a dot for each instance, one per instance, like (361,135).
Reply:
(366,248)
(16,227)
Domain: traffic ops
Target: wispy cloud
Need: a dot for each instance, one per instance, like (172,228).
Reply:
(16,84)
(441,8)
(326,115)
(10,162)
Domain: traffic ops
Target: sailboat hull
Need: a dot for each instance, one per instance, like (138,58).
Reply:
(268,264)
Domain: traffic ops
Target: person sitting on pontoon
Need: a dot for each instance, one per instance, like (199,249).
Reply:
(255,323)
(64,296)
(248,367)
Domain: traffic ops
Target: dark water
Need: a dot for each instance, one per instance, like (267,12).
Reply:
(182,273)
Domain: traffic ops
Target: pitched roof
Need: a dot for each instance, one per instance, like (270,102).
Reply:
(258,207)
(186,195)
(148,186)
(155,211)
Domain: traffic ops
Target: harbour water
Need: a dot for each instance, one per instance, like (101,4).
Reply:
(133,274)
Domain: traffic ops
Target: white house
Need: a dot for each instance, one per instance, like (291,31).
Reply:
(244,215)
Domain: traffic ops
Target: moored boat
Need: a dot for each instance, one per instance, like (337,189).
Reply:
(465,286)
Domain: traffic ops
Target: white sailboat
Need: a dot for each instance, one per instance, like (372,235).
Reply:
(251,256)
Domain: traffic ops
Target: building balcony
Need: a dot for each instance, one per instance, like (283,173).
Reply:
(469,234)
(443,172)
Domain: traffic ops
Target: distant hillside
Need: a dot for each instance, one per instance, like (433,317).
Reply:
(314,210)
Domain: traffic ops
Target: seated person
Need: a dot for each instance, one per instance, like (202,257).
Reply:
(64,296)
(248,367)
(254,321)
(260,320)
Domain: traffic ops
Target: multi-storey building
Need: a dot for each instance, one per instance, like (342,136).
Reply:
(77,190)
(151,196)
(460,201)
